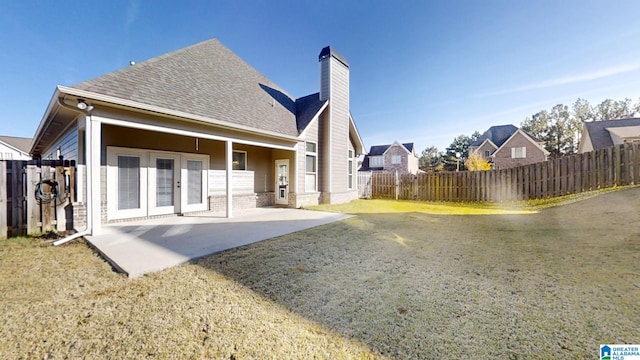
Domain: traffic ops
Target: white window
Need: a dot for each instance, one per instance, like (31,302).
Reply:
(376,161)
(519,152)
(128,182)
(396,159)
(239,160)
(487,153)
(350,171)
(311,173)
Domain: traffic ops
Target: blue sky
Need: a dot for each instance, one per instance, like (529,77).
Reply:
(421,71)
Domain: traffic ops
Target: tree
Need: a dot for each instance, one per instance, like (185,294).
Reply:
(476,162)
(460,145)
(475,136)
(537,125)
(582,111)
(557,128)
(619,109)
(560,135)
(636,108)
(431,159)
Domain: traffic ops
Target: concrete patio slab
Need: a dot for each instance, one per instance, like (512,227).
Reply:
(140,247)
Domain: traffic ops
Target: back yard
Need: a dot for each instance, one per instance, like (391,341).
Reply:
(399,280)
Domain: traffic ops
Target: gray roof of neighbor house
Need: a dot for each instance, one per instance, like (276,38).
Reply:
(499,134)
(20,143)
(380,149)
(209,80)
(600,137)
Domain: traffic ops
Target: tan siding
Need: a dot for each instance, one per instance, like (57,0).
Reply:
(324,154)
(339,107)
(324,80)
(311,134)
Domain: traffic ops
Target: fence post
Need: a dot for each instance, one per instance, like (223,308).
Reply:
(636,163)
(3,201)
(33,210)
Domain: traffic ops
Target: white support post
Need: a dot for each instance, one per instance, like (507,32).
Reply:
(229,167)
(94,145)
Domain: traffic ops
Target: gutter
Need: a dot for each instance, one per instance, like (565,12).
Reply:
(87,230)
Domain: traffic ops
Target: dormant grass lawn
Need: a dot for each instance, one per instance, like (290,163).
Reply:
(399,280)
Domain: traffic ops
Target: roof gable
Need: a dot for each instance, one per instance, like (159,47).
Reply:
(307,108)
(19,143)
(531,139)
(600,136)
(378,150)
(208,80)
(497,134)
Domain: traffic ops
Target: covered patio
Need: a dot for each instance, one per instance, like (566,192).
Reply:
(139,247)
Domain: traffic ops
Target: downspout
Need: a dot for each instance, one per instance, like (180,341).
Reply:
(87,230)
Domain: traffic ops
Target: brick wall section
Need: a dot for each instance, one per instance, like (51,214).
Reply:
(218,203)
(265,199)
(79,215)
(304,199)
(487,147)
(393,151)
(503,160)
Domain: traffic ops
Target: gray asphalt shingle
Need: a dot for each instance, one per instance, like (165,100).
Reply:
(206,79)
(600,137)
(20,143)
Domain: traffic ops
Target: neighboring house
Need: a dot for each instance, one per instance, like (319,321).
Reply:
(14,148)
(601,134)
(394,157)
(167,136)
(507,146)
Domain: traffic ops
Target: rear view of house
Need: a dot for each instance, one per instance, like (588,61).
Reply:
(395,157)
(507,146)
(199,129)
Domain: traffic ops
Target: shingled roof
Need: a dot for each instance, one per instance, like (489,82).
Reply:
(306,108)
(600,137)
(499,134)
(208,80)
(377,150)
(19,143)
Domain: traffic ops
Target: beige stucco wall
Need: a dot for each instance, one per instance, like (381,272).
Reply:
(502,158)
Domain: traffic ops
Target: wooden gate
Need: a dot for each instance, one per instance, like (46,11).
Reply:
(37,195)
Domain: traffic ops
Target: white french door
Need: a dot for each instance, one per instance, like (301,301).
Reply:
(193,188)
(164,183)
(143,183)
(282,182)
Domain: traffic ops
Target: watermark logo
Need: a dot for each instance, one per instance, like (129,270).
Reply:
(620,352)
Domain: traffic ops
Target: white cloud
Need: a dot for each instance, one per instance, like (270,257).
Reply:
(594,75)
(132,13)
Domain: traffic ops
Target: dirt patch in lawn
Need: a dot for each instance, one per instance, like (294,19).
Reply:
(386,284)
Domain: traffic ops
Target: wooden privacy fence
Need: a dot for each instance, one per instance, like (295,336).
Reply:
(614,166)
(33,195)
